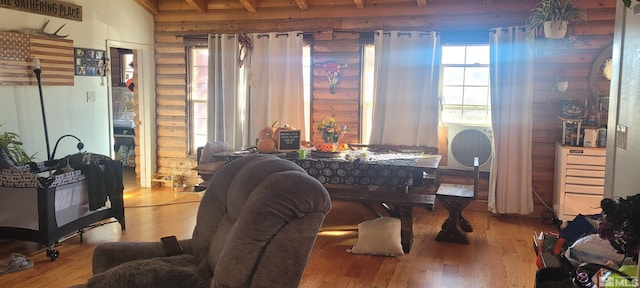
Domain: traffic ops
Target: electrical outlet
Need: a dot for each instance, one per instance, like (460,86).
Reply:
(91,96)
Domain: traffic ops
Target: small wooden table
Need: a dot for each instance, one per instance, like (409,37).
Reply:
(455,198)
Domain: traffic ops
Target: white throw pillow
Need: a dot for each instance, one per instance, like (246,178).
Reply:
(380,236)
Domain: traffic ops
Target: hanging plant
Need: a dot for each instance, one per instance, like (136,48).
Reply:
(554,16)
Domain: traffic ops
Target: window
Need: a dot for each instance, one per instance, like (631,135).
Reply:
(197,76)
(368,57)
(306,77)
(465,84)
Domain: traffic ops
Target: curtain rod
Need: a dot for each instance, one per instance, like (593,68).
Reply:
(204,37)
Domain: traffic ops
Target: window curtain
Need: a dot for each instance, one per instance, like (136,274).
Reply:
(405,98)
(225,104)
(276,82)
(511,74)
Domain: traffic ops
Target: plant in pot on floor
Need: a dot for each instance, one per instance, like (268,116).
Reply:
(554,16)
(13,153)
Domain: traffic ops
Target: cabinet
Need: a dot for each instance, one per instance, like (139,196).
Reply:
(579,181)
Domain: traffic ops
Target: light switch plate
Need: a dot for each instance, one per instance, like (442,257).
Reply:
(621,136)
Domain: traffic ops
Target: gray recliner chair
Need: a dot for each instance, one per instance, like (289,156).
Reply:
(255,228)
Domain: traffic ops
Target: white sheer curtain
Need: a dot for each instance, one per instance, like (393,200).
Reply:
(511,70)
(277,92)
(226,104)
(405,98)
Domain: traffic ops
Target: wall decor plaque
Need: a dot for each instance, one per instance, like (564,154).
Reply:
(89,62)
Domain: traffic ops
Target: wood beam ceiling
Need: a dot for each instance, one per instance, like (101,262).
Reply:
(303,4)
(250,5)
(149,5)
(200,5)
(359,3)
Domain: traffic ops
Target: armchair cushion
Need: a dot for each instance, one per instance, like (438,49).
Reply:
(176,271)
(209,168)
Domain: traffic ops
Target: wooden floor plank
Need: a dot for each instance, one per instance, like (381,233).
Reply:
(499,255)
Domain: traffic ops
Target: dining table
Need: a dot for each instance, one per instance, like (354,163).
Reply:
(385,183)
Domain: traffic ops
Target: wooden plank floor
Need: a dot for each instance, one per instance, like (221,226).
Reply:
(500,253)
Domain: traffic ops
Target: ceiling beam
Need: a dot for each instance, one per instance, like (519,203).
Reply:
(200,5)
(149,5)
(303,4)
(250,5)
(422,2)
(359,3)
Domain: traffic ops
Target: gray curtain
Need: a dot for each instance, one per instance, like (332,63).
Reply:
(226,104)
(511,76)
(405,98)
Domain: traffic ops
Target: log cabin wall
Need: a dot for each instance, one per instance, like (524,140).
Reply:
(175,19)
(344,104)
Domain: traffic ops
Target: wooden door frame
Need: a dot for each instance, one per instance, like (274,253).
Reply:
(145,108)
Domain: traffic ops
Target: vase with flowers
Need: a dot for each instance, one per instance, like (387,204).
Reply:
(621,224)
(331,132)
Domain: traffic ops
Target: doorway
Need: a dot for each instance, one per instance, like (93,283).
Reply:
(132,109)
(123,103)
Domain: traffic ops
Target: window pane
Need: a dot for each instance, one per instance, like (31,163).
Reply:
(476,96)
(477,54)
(465,84)
(476,76)
(453,76)
(453,55)
(199,91)
(452,115)
(475,117)
(452,95)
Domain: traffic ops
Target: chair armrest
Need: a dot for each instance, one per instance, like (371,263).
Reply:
(112,254)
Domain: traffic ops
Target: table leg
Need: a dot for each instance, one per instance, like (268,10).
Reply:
(452,231)
(405,213)
(464,224)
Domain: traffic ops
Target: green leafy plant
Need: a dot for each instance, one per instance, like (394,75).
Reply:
(554,10)
(627,3)
(12,146)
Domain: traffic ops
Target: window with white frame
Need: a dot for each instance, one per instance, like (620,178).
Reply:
(465,84)
(197,76)
(368,56)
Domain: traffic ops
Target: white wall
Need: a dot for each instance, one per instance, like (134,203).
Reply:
(67,109)
(623,164)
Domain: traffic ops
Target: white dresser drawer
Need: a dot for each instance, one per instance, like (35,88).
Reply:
(586,173)
(586,160)
(585,181)
(575,204)
(584,189)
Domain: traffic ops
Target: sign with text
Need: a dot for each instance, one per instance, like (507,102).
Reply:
(289,140)
(45,7)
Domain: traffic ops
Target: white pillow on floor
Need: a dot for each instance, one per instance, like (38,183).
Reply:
(380,236)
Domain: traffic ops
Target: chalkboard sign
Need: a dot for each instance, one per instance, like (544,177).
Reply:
(289,140)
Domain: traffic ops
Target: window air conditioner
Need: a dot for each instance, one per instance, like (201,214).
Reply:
(467,141)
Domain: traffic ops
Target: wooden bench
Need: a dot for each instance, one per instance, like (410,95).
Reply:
(394,203)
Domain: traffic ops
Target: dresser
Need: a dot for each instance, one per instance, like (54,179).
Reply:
(579,181)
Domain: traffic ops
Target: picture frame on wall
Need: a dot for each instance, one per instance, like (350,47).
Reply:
(89,62)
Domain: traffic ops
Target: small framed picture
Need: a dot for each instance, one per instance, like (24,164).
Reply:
(89,62)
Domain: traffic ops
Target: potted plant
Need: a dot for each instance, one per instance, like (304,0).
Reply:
(12,147)
(554,17)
